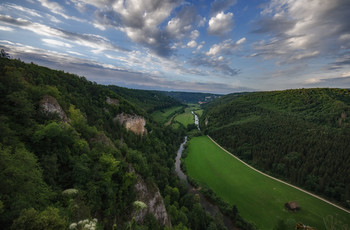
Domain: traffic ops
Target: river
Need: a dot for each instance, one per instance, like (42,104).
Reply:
(196,120)
(208,206)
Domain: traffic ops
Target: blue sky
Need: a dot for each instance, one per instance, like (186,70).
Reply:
(205,46)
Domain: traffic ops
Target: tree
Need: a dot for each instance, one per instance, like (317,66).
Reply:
(21,182)
(30,219)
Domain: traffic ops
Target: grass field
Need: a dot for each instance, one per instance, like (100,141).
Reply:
(199,112)
(258,198)
(187,117)
(163,116)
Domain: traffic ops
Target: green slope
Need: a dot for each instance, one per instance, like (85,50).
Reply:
(257,197)
(301,136)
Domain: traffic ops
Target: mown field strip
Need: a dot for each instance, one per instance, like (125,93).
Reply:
(293,186)
(258,197)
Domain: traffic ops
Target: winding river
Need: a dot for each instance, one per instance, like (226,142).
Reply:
(196,120)
(210,207)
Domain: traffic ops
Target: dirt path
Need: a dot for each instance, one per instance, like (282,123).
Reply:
(171,119)
(311,194)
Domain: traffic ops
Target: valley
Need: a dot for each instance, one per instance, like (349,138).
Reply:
(74,152)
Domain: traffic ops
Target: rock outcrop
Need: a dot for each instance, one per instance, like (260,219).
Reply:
(150,195)
(49,105)
(132,123)
(112,101)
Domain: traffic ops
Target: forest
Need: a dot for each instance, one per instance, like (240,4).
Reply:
(66,162)
(300,136)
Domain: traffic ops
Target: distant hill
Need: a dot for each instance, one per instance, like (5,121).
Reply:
(149,100)
(192,98)
(301,136)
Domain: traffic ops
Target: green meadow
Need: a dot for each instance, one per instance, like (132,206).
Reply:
(259,199)
(187,117)
(199,112)
(163,116)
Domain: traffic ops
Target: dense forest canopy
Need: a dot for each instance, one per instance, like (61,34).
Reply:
(149,100)
(301,136)
(65,161)
(192,97)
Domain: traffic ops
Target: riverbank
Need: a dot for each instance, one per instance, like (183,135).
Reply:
(208,206)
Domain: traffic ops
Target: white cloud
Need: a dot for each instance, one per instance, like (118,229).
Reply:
(194,34)
(241,41)
(140,20)
(95,42)
(176,29)
(312,80)
(181,25)
(344,37)
(25,10)
(192,44)
(346,74)
(226,47)
(221,24)
(298,30)
(75,53)
(5,28)
(200,46)
(56,8)
(54,43)
(202,22)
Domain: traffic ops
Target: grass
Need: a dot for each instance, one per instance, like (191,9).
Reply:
(185,118)
(163,116)
(199,112)
(258,198)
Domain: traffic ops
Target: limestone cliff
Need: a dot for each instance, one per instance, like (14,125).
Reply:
(49,105)
(150,195)
(132,123)
(112,101)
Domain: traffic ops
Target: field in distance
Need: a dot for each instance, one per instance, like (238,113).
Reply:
(258,198)
(187,117)
(164,115)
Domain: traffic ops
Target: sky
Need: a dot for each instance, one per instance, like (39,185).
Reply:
(217,46)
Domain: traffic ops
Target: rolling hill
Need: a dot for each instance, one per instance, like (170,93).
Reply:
(301,136)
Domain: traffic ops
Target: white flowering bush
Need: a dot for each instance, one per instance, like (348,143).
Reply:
(70,191)
(86,224)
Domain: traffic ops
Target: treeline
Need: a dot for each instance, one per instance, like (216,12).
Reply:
(301,136)
(149,100)
(191,97)
(59,173)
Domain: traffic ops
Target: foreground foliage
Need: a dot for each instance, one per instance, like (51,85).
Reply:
(58,172)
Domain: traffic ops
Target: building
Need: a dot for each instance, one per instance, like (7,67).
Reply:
(292,205)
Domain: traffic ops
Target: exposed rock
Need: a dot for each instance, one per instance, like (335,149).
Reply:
(150,195)
(133,123)
(49,105)
(112,101)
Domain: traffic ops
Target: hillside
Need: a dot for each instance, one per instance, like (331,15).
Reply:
(191,97)
(76,154)
(150,100)
(301,136)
